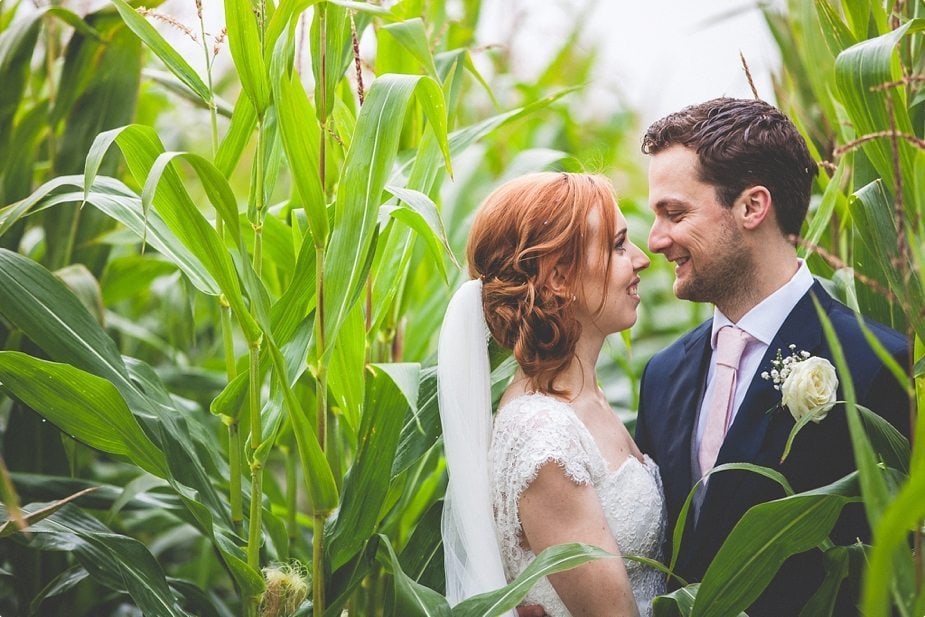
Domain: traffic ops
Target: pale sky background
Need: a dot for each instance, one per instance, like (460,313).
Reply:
(656,55)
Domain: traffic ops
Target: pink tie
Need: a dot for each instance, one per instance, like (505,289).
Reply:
(730,343)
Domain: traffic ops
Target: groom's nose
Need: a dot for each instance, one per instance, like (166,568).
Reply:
(658,237)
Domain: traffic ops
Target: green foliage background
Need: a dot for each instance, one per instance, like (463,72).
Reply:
(220,293)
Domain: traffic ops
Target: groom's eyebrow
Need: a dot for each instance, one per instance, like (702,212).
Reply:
(666,203)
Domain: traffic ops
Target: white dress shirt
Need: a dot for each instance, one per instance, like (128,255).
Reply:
(762,323)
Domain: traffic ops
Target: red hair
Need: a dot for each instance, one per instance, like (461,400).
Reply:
(524,230)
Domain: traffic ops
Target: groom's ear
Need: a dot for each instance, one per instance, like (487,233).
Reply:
(755,206)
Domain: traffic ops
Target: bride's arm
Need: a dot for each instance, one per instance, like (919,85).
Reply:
(554,510)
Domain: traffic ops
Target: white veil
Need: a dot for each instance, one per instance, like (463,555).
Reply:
(471,555)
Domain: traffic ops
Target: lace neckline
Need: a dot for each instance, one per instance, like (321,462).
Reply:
(645,463)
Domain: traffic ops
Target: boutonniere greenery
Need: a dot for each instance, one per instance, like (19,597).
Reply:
(807,383)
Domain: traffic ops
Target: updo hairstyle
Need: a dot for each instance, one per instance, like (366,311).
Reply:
(521,232)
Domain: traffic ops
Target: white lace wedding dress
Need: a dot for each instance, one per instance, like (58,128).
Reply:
(534,429)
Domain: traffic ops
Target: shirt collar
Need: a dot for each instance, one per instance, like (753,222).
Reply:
(765,318)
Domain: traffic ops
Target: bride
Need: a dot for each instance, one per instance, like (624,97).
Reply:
(553,273)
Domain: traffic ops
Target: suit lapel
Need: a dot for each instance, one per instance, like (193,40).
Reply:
(686,393)
(747,439)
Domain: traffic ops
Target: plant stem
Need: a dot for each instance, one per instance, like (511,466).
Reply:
(213,113)
(321,429)
(321,379)
(322,30)
(235,494)
(291,494)
(255,522)
(71,239)
(51,50)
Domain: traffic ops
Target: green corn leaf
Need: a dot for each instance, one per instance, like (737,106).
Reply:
(366,170)
(72,19)
(65,581)
(36,302)
(82,405)
(115,561)
(126,277)
(216,188)
(163,50)
(35,514)
(461,139)
(679,527)
(678,603)
(39,305)
(28,134)
(858,15)
(298,301)
(859,69)
(411,598)
(421,430)
(413,37)
(17,43)
(872,210)
(891,534)
(395,254)
(823,215)
(419,212)
(918,371)
(367,483)
(85,287)
(331,52)
(140,146)
(280,20)
(890,445)
(391,264)
(835,31)
(762,540)
(105,93)
(365,7)
(553,559)
(422,557)
(315,468)
(244,44)
(839,562)
(118,202)
(243,122)
(173,85)
(301,138)
(899,373)
(874,488)
(348,361)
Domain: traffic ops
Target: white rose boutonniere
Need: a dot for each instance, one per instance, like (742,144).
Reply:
(807,384)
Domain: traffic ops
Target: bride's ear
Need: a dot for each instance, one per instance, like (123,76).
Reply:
(557,282)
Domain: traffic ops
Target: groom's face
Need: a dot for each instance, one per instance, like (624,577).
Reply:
(693,230)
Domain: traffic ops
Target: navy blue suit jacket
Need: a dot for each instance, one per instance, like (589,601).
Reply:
(671,393)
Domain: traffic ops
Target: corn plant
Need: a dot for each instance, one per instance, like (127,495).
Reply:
(233,342)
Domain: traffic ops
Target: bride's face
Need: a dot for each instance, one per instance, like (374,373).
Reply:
(607,301)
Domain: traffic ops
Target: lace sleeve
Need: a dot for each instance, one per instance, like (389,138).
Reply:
(531,432)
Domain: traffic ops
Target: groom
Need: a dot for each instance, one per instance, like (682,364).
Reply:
(729,183)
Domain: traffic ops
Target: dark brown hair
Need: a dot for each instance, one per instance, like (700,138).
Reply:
(521,232)
(742,143)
